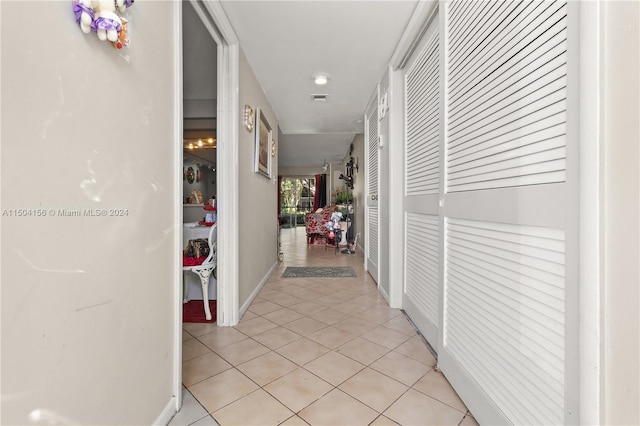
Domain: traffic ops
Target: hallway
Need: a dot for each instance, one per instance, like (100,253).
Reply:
(315,351)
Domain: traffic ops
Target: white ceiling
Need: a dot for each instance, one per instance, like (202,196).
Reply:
(286,43)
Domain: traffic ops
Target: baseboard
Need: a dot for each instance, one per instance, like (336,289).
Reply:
(254,294)
(384,294)
(167,414)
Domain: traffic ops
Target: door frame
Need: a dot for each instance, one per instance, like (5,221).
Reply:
(591,67)
(219,27)
(417,26)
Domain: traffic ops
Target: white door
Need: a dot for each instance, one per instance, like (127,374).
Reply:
(508,332)
(421,292)
(372,142)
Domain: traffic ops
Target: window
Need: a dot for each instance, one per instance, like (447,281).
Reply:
(296,199)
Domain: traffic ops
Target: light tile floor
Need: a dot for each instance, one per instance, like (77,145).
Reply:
(315,351)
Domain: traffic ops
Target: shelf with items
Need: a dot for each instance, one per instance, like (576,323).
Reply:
(195,198)
(196,213)
(211,216)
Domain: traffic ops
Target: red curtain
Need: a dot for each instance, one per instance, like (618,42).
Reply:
(316,197)
(320,197)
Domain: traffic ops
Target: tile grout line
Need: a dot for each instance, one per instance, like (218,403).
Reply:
(307,293)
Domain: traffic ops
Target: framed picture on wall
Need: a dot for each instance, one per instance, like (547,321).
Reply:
(264,135)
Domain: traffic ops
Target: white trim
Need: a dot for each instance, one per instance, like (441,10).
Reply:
(227,177)
(219,27)
(396,188)
(170,409)
(222,22)
(413,33)
(254,294)
(574,289)
(177,213)
(384,294)
(590,226)
(207,20)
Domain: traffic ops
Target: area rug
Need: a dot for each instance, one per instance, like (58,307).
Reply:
(318,272)
(193,311)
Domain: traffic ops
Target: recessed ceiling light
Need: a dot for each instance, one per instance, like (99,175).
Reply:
(321,79)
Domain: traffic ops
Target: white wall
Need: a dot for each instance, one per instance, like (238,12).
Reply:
(300,171)
(87,302)
(258,195)
(384,194)
(621,214)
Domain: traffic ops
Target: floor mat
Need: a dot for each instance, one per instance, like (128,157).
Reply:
(321,272)
(193,311)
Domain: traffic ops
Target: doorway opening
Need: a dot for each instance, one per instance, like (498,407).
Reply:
(199,142)
(296,200)
(197,118)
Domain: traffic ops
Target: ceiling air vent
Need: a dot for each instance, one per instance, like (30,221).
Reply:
(319,98)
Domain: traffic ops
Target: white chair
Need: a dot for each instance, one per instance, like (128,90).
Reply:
(207,267)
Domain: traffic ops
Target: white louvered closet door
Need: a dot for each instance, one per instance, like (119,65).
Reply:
(421,293)
(507,340)
(372,138)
